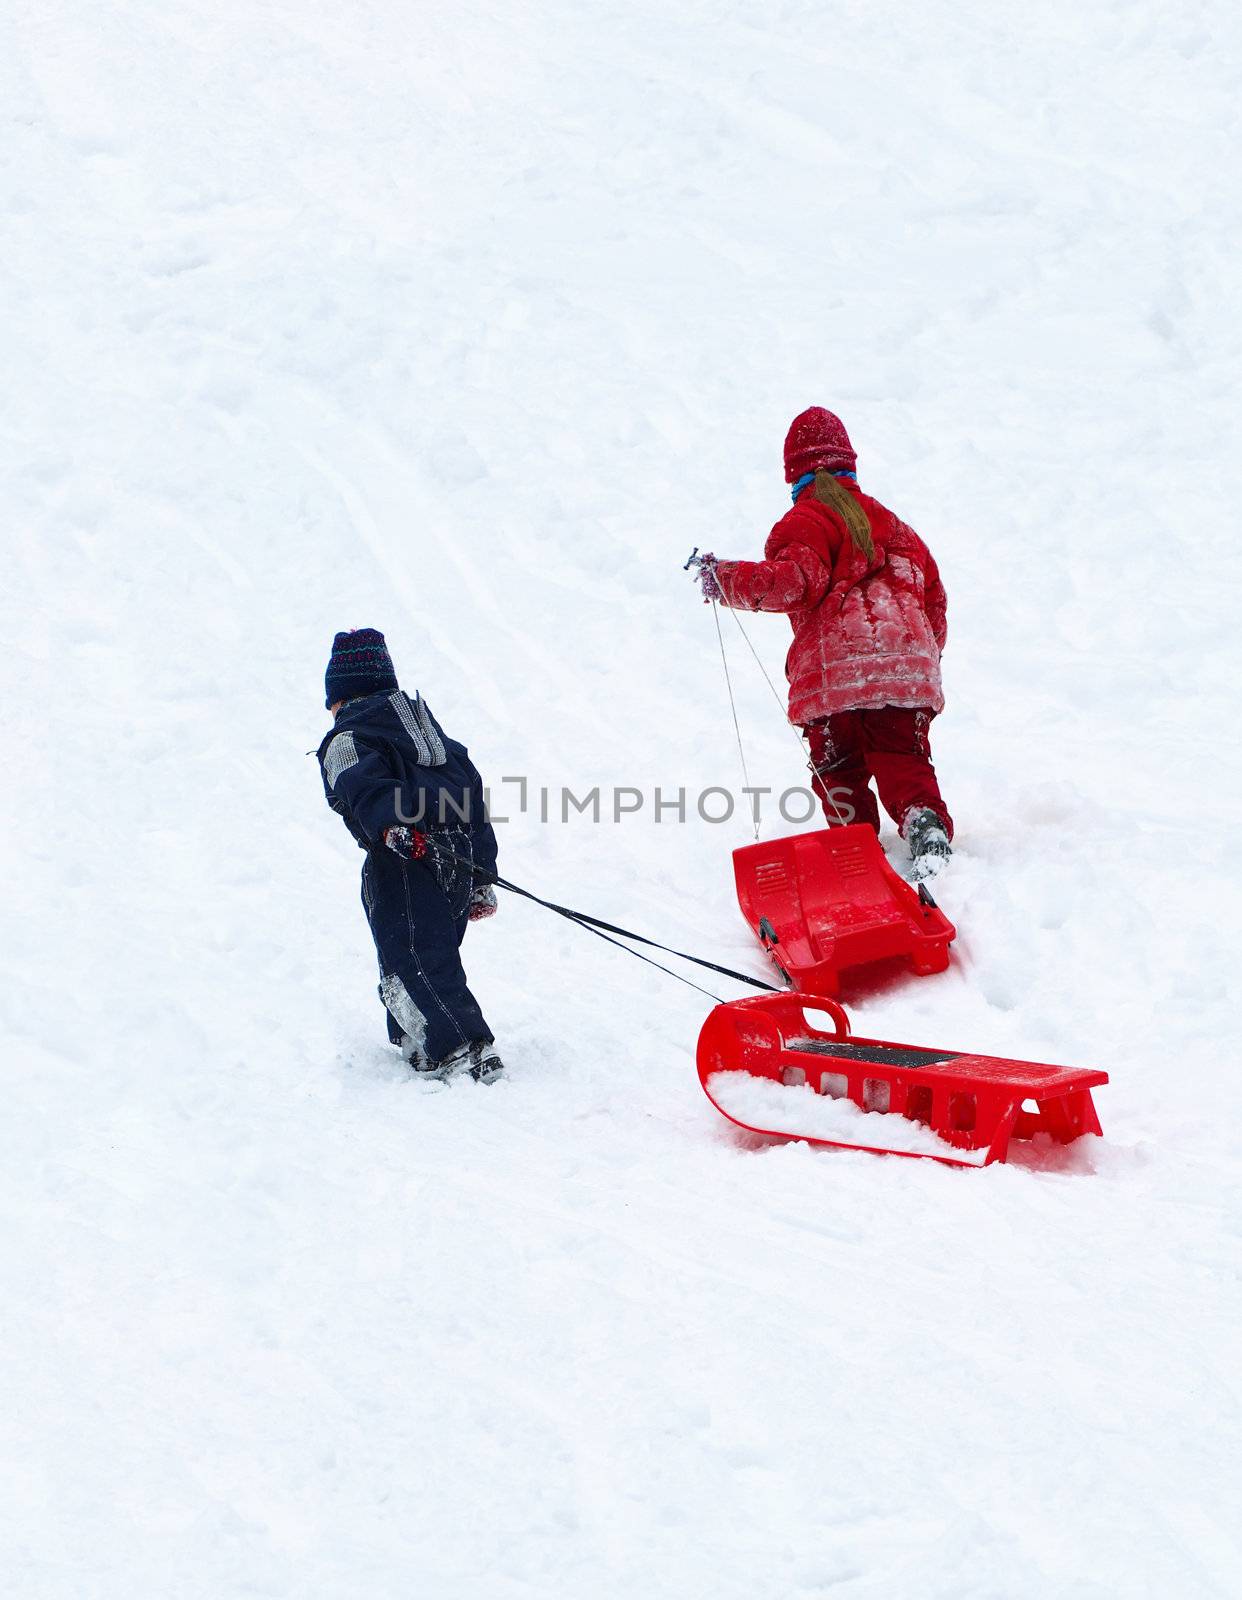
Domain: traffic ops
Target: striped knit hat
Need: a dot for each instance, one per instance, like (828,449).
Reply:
(360,665)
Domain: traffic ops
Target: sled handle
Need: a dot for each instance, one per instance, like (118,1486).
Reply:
(821,1002)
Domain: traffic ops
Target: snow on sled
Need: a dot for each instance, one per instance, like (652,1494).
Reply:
(822,902)
(771,1066)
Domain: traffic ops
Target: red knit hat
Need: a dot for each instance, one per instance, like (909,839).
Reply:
(817,439)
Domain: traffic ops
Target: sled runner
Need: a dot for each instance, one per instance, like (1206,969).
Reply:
(822,902)
(786,1066)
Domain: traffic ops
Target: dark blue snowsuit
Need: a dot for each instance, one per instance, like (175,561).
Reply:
(387,762)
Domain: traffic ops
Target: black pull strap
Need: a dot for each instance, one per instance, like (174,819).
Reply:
(608,939)
(596,925)
(605,930)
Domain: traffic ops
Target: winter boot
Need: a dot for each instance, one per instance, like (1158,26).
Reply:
(485,1065)
(928,839)
(447,1067)
(412,1053)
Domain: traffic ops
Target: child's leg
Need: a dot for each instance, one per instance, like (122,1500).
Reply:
(396,1033)
(898,756)
(418,938)
(839,770)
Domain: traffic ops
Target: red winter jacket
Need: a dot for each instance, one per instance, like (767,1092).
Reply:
(865,633)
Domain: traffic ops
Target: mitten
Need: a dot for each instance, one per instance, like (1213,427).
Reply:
(705,577)
(483,902)
(407,842)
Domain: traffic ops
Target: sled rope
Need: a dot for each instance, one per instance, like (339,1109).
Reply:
(608,939)
(605,930)
(799,737)
(737,727)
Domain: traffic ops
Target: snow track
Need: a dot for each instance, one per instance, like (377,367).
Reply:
(468,324)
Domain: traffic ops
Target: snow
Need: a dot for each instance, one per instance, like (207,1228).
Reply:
(796,1109)
(469,323)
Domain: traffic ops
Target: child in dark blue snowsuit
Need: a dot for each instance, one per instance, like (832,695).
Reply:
(413,800)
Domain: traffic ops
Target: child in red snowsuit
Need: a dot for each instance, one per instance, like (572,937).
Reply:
(867,607)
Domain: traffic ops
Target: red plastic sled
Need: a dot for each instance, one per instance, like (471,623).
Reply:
(754,1053)
(821,902)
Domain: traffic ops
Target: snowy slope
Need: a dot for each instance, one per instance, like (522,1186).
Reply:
(467,323)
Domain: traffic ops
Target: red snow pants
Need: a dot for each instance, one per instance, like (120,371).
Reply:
(887,744)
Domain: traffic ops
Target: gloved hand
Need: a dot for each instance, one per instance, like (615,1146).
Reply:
(705,577)
(406,842)
(483,902)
